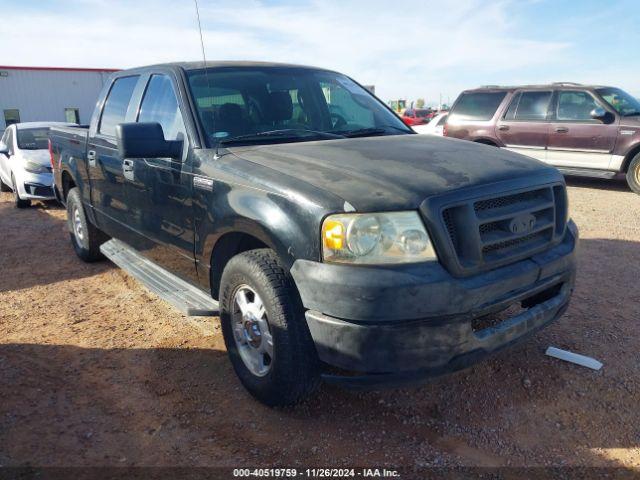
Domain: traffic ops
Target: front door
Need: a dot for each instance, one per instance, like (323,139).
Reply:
(524,128)
(105,165)
(158,190)
(575,138)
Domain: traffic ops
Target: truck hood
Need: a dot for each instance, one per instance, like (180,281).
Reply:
(393,172)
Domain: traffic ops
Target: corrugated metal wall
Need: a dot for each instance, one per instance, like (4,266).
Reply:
(42,95)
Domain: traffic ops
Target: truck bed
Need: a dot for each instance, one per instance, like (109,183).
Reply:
(68,145)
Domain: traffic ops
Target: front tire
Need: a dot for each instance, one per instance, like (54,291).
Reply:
(633,174)
(85,237)
(265,331)
(19,203)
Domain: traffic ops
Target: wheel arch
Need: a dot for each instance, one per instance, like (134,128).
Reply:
(486,141)
(233,242)
(241,235)
(68,182)
(635,150)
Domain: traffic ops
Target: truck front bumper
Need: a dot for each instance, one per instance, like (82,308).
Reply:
(397,325)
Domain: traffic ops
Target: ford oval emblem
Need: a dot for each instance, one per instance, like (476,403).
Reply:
(524,223)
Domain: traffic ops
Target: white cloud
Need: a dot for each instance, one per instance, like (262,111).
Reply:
(406,48)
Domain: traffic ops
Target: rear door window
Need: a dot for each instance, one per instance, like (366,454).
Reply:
(116,105)
(477,105)
(160,104)
(531,106)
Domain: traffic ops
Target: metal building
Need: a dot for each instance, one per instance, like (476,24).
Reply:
(33,94)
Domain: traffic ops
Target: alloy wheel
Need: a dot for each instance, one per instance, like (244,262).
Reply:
(251,331)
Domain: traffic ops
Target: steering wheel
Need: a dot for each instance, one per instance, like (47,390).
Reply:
(337,120)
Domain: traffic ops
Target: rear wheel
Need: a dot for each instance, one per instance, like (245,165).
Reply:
(265,331)
(19,203)
(85,237)
(633,174)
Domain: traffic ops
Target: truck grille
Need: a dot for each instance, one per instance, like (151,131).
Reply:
(490,232)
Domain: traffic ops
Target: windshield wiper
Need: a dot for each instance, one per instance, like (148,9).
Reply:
(364,132)
(285,132)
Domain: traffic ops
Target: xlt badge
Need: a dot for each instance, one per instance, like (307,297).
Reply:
(203,183)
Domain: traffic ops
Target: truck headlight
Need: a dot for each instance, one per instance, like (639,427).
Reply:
(33,167)
(376,238)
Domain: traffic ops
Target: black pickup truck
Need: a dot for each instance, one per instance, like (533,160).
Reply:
(339,244)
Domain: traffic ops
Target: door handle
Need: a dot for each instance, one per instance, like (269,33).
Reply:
(91,158)
(127,169)
(503,128)
(562,129)
(127,165)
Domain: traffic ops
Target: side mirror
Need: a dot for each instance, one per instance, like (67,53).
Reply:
(145,140)
(602,115)
(4,150)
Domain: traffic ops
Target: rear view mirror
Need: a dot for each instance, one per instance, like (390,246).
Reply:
(145,140)
(4,150)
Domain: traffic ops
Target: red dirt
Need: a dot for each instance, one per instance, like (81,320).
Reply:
(94,370)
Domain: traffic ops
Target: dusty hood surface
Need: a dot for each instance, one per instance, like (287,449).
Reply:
(392,172)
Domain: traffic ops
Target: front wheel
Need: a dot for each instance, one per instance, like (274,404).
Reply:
(265,331)
(85,237)
(19,203)
(4,187)
(633,174)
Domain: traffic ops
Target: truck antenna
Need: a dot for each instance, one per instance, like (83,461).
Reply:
(204,66)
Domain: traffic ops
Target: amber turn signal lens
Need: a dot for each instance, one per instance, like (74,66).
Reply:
(333,234)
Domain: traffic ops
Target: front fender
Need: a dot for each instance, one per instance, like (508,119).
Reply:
(291,229)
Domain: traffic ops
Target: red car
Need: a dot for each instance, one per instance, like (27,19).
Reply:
(416,116)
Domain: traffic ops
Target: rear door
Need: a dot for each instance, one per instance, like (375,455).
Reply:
(104,164)
(577,140)
(159,190)
(524,127)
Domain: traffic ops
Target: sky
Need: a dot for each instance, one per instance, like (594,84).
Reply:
(407,49)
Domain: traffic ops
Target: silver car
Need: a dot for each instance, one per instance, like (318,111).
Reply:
(25,164)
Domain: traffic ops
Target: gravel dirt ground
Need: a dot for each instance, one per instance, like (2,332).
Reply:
(94,370)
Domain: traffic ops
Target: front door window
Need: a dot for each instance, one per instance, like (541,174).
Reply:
(575,106)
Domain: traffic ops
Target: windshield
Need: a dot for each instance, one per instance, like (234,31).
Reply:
(422,113)
(277,104)
(621,101)
(33,139)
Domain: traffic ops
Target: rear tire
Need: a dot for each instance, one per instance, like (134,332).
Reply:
(19,203)
(85,237)
(287,371)
(633,174)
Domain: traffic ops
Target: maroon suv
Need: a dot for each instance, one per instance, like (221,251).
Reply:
(583,130)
